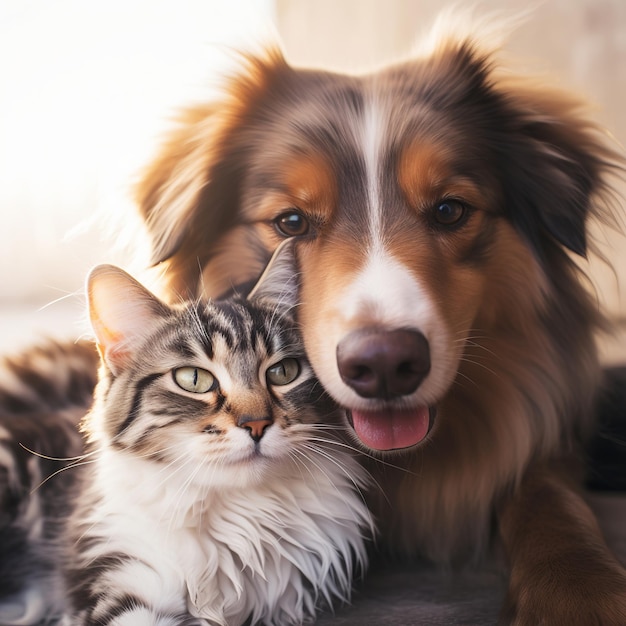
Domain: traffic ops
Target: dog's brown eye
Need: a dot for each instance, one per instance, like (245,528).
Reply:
(292,224)
(449,213)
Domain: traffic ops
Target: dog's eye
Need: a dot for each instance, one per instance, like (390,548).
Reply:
(449,213)
(292,224)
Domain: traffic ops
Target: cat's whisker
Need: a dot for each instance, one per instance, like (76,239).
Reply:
(323,453)
(294,454)
(361,451)
(175,463)
(335,442)
(59,471)
(371,478)
(182,490)
(358,487)
(308,459)
(55,458)
(374,458)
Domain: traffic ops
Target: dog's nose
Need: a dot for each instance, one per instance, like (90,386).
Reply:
(383,364)
(254,425)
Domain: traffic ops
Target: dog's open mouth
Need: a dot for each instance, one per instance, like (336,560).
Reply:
(392,428)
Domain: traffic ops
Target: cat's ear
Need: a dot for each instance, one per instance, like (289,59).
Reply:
(122,312)
(278,285)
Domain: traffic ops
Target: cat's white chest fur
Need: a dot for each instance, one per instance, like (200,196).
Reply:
(273,551)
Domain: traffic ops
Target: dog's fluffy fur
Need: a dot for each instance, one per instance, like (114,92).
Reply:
(446,196)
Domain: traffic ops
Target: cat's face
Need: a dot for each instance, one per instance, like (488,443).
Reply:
(220,392)
(224,391)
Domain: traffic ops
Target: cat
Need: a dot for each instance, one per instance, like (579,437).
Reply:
(212,493)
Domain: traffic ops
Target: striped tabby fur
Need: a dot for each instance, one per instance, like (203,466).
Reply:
(221,500)
(44,393)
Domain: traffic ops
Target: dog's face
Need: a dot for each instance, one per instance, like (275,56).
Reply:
(427,200)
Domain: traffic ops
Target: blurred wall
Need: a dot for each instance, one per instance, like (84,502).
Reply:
(582,43)
(86,91)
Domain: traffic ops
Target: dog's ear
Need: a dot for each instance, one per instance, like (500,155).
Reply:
(556,166)
(554,163)
(190,195)
(278,286)
(172,186)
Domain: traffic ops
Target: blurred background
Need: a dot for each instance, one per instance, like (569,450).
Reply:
(88,88)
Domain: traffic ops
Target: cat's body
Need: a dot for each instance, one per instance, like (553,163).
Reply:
(44,393)
(213,495)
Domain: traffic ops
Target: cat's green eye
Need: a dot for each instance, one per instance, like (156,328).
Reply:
(194,379)
(283,372)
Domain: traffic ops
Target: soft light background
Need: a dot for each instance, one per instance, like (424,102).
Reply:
(86,89)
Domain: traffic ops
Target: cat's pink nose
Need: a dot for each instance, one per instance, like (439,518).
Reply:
(255,425)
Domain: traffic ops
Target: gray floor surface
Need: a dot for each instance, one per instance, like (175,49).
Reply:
(421,595)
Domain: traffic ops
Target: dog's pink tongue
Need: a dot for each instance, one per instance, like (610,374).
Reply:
(391,429)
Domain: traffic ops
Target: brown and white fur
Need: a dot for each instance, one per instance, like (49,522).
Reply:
(440,197)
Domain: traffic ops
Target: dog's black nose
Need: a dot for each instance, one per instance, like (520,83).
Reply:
(383,364)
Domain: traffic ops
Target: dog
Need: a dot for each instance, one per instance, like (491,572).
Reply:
(437,206)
